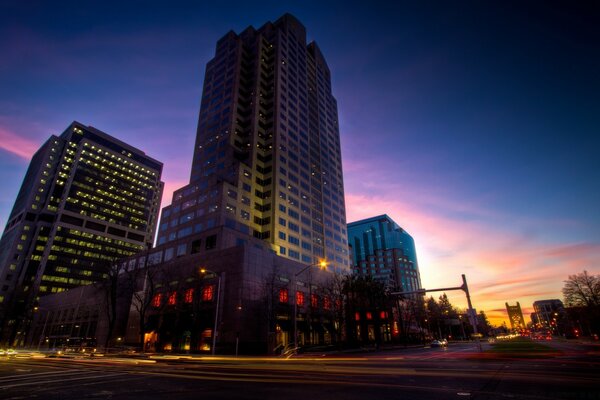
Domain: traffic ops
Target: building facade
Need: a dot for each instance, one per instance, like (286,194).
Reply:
(267,159)
(249,293)
(382,249)
(550,314)
(87,199)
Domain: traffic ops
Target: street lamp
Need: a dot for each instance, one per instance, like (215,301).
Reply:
(322,265)
(214,333)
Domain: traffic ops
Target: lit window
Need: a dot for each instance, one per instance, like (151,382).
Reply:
(326,303)
(369,315)
(173,298)
(357,316)
(208,293)
(189,295)
(300,298)
(383,315)
(157,300)
(314,301)
(283,295)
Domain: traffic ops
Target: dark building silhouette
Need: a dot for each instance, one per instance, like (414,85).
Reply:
(87,199)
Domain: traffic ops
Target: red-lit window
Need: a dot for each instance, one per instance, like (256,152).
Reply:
(357,316)
(189,296)
(383,315)
(314,301)
(172,299)
(300,298)
(208,293)
(338,304)
(326,303)
(157,300)
(369,315)
(283,295)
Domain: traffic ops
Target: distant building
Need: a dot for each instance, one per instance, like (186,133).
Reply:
(515,316)
(87,199)
(550,314)
(382,249)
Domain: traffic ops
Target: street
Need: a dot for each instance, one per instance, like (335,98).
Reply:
(416,373)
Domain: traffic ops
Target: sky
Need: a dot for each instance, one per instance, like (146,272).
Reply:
(474,125)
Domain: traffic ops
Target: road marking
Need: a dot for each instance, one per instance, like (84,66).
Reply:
(61,381)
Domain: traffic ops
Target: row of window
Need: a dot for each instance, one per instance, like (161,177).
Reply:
(316,301)
(207,293)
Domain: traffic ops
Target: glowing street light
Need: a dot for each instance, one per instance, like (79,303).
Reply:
(322,265)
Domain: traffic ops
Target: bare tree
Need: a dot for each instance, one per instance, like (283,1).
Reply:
(144,284)
(582,290)
(111,290)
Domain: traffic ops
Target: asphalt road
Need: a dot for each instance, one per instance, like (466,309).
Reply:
(459,372)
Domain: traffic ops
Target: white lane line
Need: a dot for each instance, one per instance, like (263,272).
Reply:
(60,381)
(37,374)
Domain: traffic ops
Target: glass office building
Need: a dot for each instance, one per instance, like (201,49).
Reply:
(382,249)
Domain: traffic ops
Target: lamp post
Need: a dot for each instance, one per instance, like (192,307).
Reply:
(214,333)
(43,334)
(322,265)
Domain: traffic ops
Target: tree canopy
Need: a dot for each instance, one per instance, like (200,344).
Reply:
(582,289)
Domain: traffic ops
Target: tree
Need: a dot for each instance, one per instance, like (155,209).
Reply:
(144,284)
(582,290)
(111,292)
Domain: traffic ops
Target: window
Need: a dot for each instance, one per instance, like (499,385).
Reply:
(208,293)
(314,300)
(327,303)
(283,295)
(300,298)
(189,296)
(211,242)
(157,300)
(172,299)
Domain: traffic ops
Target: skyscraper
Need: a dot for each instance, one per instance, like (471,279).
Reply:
(87,199)
(267,160)
(385,251)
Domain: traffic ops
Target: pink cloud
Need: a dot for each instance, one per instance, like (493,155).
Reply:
(17,145)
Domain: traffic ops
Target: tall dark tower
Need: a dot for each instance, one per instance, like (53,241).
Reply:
(267,159)
(87,199)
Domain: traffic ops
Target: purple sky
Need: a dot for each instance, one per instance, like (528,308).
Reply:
(474,126)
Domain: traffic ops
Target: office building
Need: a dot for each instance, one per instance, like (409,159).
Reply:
(267,160)
(550,314)
(87,199)
(382,249)
(265,202)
